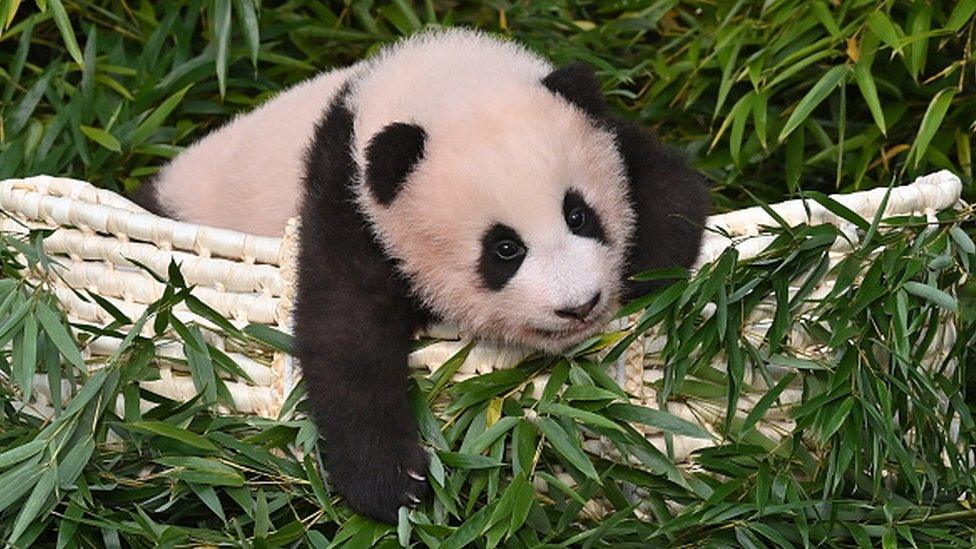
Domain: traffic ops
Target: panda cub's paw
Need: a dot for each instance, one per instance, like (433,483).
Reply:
(376,484)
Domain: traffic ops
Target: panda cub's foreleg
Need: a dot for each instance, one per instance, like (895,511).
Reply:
(353,324)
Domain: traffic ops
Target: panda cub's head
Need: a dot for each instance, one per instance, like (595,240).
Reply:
(509,213)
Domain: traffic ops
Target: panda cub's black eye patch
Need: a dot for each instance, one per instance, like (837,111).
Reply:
(502,253)
(581,219)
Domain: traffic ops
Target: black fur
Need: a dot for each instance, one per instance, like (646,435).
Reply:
(146,197)
(577,84)
(495,271)
(354,320)
(390,157)
(592,227)
(668,197)
(354,314)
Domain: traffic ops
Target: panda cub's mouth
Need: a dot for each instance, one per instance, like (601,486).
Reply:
(578,329)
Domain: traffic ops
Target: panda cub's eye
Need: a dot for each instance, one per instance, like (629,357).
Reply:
(507,250)
(576,218)
(581,219)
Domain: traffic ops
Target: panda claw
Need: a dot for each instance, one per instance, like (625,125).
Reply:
(416,476)
(414,500)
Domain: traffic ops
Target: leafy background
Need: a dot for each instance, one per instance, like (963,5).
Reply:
(770,98)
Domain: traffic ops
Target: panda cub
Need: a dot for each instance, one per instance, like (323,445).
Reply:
(454,176)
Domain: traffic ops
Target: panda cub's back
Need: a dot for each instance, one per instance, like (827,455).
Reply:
(247,175)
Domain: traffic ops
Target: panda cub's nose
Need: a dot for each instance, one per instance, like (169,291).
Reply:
(579,312)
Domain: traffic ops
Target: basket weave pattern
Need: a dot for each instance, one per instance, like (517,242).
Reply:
(251,279)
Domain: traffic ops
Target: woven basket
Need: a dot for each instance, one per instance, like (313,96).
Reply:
(250,279)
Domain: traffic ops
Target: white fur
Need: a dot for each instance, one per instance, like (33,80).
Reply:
(247,175)
(500,148)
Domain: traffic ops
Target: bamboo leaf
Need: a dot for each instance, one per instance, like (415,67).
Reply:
(822,13)
(865,82)
(102,137)
(823,88)
(59,335)
(171,431)
(67,33)
(565,447)
(202,470)
(468,461)
(660,419)
(759,410)
(20,453)
(249,23)
(35,502)
(156,119)
(221,22)
(442,375)
(590,418)
(931,121)
(879,23)
(961,14)
(932,294)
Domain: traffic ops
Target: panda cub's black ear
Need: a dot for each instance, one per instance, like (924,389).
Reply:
(578,84)
(390,157)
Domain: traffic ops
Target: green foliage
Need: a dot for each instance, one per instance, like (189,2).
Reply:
(881,448)
(844,95)
(773,98)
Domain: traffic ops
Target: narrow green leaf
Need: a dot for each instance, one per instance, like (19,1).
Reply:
(57,332)
(262,517)
(469,531)
(794,362)
(838,209)
(202,470)
(822,13)
(42,490)
(865,82)
(249,23)
(760,115)
(962,240)
(837,418)
(759,410)
(22,452)
(562,486)
(24,356)
(221,22)
(490,435)
(961,14)
(209,497)
(443,375)
(102,137)
(73,463)
(820,91)
(565,447)
(583,416)
(171,431)
(156,118)
(932,294)
(468,461)
(17,481)
(741,113)
(931,122)
(67,33)
(69,524)
(10,326)
(657,418)
(920,22)
(403,526)
(879,23)
(406,8)
(270,336)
